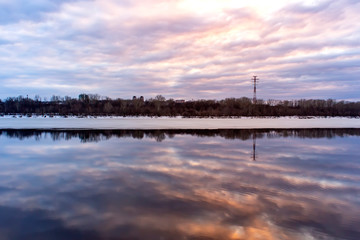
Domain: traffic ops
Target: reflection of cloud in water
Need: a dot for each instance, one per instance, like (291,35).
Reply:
(184,187)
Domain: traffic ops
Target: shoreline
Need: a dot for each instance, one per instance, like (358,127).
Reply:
(169,123)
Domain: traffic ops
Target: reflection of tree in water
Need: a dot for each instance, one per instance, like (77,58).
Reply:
(236,199)
(161,135)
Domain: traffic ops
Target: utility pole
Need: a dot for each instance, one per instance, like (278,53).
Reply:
(254,147)
(255,79)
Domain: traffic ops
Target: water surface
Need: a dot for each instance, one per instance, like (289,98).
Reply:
(180,184)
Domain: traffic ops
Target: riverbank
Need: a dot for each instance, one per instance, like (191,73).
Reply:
(144,123)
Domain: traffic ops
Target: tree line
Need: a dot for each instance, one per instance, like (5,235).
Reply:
(160,135)
(94,105)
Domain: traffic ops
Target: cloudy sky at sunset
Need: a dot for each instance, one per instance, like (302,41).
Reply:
(188,49)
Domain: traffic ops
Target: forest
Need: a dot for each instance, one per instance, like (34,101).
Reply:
(94,105)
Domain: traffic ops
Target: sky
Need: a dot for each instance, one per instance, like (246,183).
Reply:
(181,49)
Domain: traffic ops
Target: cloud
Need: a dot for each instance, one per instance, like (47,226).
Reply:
(22,10)
(121,48)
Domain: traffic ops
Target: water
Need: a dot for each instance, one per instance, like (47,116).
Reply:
(180,184)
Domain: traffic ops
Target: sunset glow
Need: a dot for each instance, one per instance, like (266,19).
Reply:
(180,48)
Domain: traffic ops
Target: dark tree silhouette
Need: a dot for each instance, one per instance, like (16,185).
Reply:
(93,104)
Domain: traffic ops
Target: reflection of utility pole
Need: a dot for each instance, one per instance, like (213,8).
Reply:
(254,147)
(255,79)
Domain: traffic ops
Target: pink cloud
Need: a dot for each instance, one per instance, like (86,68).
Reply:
(168,48)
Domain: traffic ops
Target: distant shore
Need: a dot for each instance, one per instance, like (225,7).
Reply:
(94,105)
(151,123)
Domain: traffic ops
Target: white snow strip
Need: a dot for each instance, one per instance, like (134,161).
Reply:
(175,123)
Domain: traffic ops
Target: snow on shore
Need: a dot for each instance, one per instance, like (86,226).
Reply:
(9,122)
